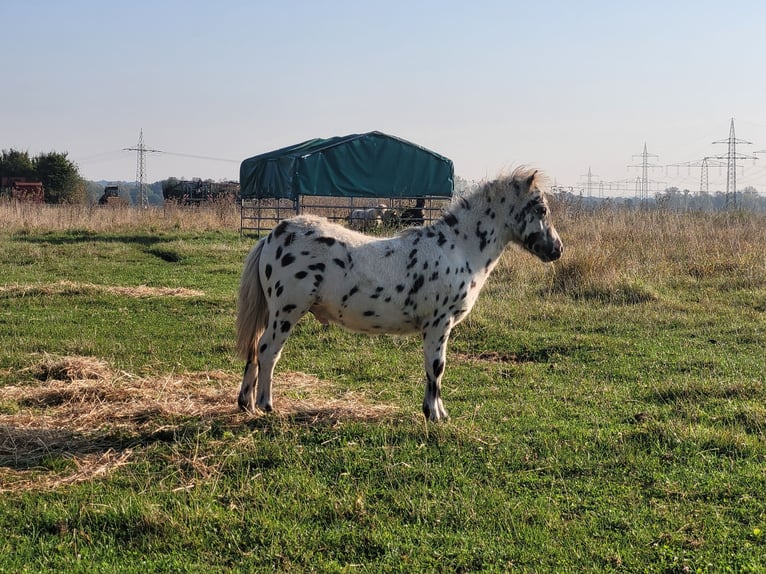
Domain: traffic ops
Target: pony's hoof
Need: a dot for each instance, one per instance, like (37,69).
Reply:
(435,415)
(244,407)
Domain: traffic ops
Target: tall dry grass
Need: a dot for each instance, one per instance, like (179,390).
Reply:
(621,255)
(618,255)
(28,218)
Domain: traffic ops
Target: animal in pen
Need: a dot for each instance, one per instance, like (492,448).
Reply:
(424,280)
(367,219)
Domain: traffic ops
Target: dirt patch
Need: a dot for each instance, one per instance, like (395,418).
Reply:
(93,418)
(73,288)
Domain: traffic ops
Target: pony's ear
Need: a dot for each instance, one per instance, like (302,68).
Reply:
(531,178)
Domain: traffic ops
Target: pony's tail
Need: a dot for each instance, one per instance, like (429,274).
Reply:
(252,310)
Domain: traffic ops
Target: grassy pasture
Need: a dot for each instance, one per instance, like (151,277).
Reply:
(608,411)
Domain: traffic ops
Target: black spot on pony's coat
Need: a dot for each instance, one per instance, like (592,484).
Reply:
(329,241)
(286,325)
(450,219)
(531,239)
(369,313)
(317,267)
(289,239)
(279,290)
(268,271)
(399,288)
(351,293)
(389,252)
(288,308)
(417,284)
(262,348)
(287,259)
(301,274)
(442,239)
(280,229)
(339,262)
(279,252)
(482,235)
(527,209)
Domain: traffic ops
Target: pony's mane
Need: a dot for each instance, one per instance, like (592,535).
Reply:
(522,173)
(519,174)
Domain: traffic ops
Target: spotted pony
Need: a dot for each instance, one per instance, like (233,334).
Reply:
(424,280)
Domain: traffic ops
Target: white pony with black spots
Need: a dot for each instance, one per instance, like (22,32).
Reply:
(424,280)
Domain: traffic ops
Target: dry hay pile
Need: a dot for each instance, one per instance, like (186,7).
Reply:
(81,409)
(70,288)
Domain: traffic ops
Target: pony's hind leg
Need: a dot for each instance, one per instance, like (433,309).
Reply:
(246,398)
(270,349)
(435,353)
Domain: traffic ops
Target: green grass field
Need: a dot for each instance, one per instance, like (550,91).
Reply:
(608,411)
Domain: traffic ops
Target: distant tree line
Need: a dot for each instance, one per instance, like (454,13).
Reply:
(675,199)
(59,176)
(671,199)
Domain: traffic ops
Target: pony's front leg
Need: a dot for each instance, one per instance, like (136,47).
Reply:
(435,353)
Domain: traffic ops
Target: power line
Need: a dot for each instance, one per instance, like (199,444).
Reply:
(704,165)
(208,158)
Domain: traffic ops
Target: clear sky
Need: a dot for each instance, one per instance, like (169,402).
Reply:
(566,85)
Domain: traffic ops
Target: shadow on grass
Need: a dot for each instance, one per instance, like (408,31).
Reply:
(151,244)
(76,418)
(78,236)
(27,448)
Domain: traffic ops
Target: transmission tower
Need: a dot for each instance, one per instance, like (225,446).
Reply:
(731,164)
(703,164)
(141,151)
(643,191)
(704,181)
(589,183)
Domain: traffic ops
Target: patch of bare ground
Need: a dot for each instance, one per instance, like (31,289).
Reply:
(95,419)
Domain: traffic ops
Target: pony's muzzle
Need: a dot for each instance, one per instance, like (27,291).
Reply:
(546,249)
(556,251)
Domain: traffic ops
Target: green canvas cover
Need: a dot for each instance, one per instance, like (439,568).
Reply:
(359,165)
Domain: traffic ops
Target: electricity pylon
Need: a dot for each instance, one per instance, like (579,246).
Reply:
(141,151)
(731,158)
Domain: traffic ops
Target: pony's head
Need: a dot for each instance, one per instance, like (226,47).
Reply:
(528,222)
